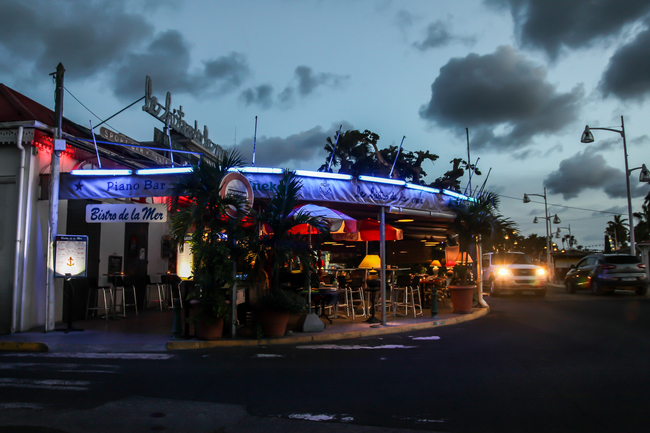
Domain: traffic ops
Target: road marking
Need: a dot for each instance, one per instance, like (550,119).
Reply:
(82,355)
(6,406)
(356,347)
(426,338)
(59,385)
(63,368)
(268,355)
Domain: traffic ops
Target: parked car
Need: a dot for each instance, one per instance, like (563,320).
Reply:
(607,272)
(514,272)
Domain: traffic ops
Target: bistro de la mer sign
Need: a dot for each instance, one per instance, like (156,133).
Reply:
(120,213)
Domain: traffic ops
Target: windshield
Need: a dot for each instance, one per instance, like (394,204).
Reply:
(622,260)
(511,259)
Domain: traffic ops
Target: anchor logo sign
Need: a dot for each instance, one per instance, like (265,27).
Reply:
(70,262)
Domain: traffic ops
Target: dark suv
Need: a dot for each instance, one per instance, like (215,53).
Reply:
(607,272)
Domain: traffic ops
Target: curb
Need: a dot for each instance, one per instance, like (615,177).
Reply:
(394,329)
(16,346)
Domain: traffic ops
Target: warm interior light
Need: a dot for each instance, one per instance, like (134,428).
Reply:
(435,263)
(370,261)
(405,221)
(464,258)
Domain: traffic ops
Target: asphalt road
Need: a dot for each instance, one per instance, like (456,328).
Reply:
(564,363)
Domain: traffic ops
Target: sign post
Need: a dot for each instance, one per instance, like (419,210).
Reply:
(70,262)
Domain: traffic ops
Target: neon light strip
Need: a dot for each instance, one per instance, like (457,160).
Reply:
(382,180)
(423,188)
(117,172)
(323,175)
(167,170)
(457,195)
(262,170)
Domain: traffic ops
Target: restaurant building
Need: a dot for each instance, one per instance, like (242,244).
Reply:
(125,216)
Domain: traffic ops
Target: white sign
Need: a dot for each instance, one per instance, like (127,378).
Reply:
(126,213)
(70,256)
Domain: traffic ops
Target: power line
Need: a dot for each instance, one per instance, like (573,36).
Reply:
(564,206)
(89,110)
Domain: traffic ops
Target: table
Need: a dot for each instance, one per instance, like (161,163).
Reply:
(324,298)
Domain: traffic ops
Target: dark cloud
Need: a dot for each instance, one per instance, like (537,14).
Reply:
(293,151)
(589,170)
(167,60)
(502,97)
(85,36)
(438,35)
(261,96)
(308,81)
(404,20)
(627,76)
(551,25)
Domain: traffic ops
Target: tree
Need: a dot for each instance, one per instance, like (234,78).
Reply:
(450,180)
(479,216)
(278,245)
(642,229)
(618,229)
(357,153)
(212,231)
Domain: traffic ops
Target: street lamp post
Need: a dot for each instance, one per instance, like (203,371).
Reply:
(547,220)
(587,137)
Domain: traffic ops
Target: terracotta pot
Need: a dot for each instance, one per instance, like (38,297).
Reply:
(462,298)
(274,323)
(210,331)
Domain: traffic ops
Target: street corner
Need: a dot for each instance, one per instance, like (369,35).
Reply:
(17,346)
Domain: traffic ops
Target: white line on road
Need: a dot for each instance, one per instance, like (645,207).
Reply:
(59,385)
(62,368)
(356,347)
(83,355)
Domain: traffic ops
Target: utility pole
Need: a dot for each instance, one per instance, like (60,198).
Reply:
(55,170)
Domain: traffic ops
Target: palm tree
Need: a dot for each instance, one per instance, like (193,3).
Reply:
(212,232)
(642,229)
(479,216)
(618,229)
(278,245)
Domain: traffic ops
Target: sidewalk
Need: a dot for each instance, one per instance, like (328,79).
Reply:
(151,331)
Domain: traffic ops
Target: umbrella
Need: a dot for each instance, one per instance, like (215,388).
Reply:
(338,221)
(369,230)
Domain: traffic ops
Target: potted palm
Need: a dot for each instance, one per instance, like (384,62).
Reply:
(478,216)
(279,245)
(212,233)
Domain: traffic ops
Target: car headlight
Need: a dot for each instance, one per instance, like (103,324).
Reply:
(503,272)
(541,272)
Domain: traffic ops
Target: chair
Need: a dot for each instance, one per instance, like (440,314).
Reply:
(122,284)
(356,288)
(171,281)
(161,294)
(94,288)
(344,298)
(408,288)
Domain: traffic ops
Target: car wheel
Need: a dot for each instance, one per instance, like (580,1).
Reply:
(540,293)
(494,291)
(570,288)
(596,289)
(641,291)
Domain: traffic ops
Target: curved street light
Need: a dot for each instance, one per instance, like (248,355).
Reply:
(547,222)
(588,137)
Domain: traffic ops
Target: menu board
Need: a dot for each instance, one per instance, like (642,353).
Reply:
(71,256)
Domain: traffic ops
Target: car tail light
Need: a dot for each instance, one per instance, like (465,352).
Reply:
(607,266)
(642,266)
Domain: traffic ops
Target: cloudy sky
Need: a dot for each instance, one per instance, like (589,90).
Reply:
(523,76)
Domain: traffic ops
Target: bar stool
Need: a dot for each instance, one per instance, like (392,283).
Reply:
(129,282)
(94,288)
(172,281)
(344,298)
(415,289)
(161,294)
(372,287)
(356,288)
(401,293)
